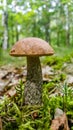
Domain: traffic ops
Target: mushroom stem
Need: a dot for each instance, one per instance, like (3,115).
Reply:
(33,85)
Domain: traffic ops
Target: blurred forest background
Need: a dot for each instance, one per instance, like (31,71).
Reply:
(51,20)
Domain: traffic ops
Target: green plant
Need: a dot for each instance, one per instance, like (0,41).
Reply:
(72,128)
(67,93)
(17,116)
(20,92)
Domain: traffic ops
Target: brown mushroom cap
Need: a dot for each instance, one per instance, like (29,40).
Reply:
(31,47)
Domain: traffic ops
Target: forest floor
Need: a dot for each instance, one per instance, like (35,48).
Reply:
(57,72)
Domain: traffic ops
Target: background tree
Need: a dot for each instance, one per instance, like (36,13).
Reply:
(49,20)
(5,24)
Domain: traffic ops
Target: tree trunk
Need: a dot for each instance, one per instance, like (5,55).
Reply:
(17,34)
(47,32)
(5,24)
(68,27)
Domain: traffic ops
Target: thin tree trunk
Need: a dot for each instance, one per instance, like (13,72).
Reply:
(17,34)
(57,30)
(47,32)
(47,26)
(5,24)
(67,27)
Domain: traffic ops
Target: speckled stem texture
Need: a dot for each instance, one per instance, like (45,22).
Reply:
(33,85)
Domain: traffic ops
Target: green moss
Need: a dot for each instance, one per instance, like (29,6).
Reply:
(20,117)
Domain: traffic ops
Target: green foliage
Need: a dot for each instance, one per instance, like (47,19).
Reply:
(62,56)
(71,128)
(51,102)
(50,20)
(20,92)
(23,116)
(17,116)
(67,96)
(6,59)
(26,126)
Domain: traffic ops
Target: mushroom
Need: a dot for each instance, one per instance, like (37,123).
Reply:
(32,48)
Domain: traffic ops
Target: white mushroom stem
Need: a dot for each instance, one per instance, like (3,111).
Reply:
(33,85)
